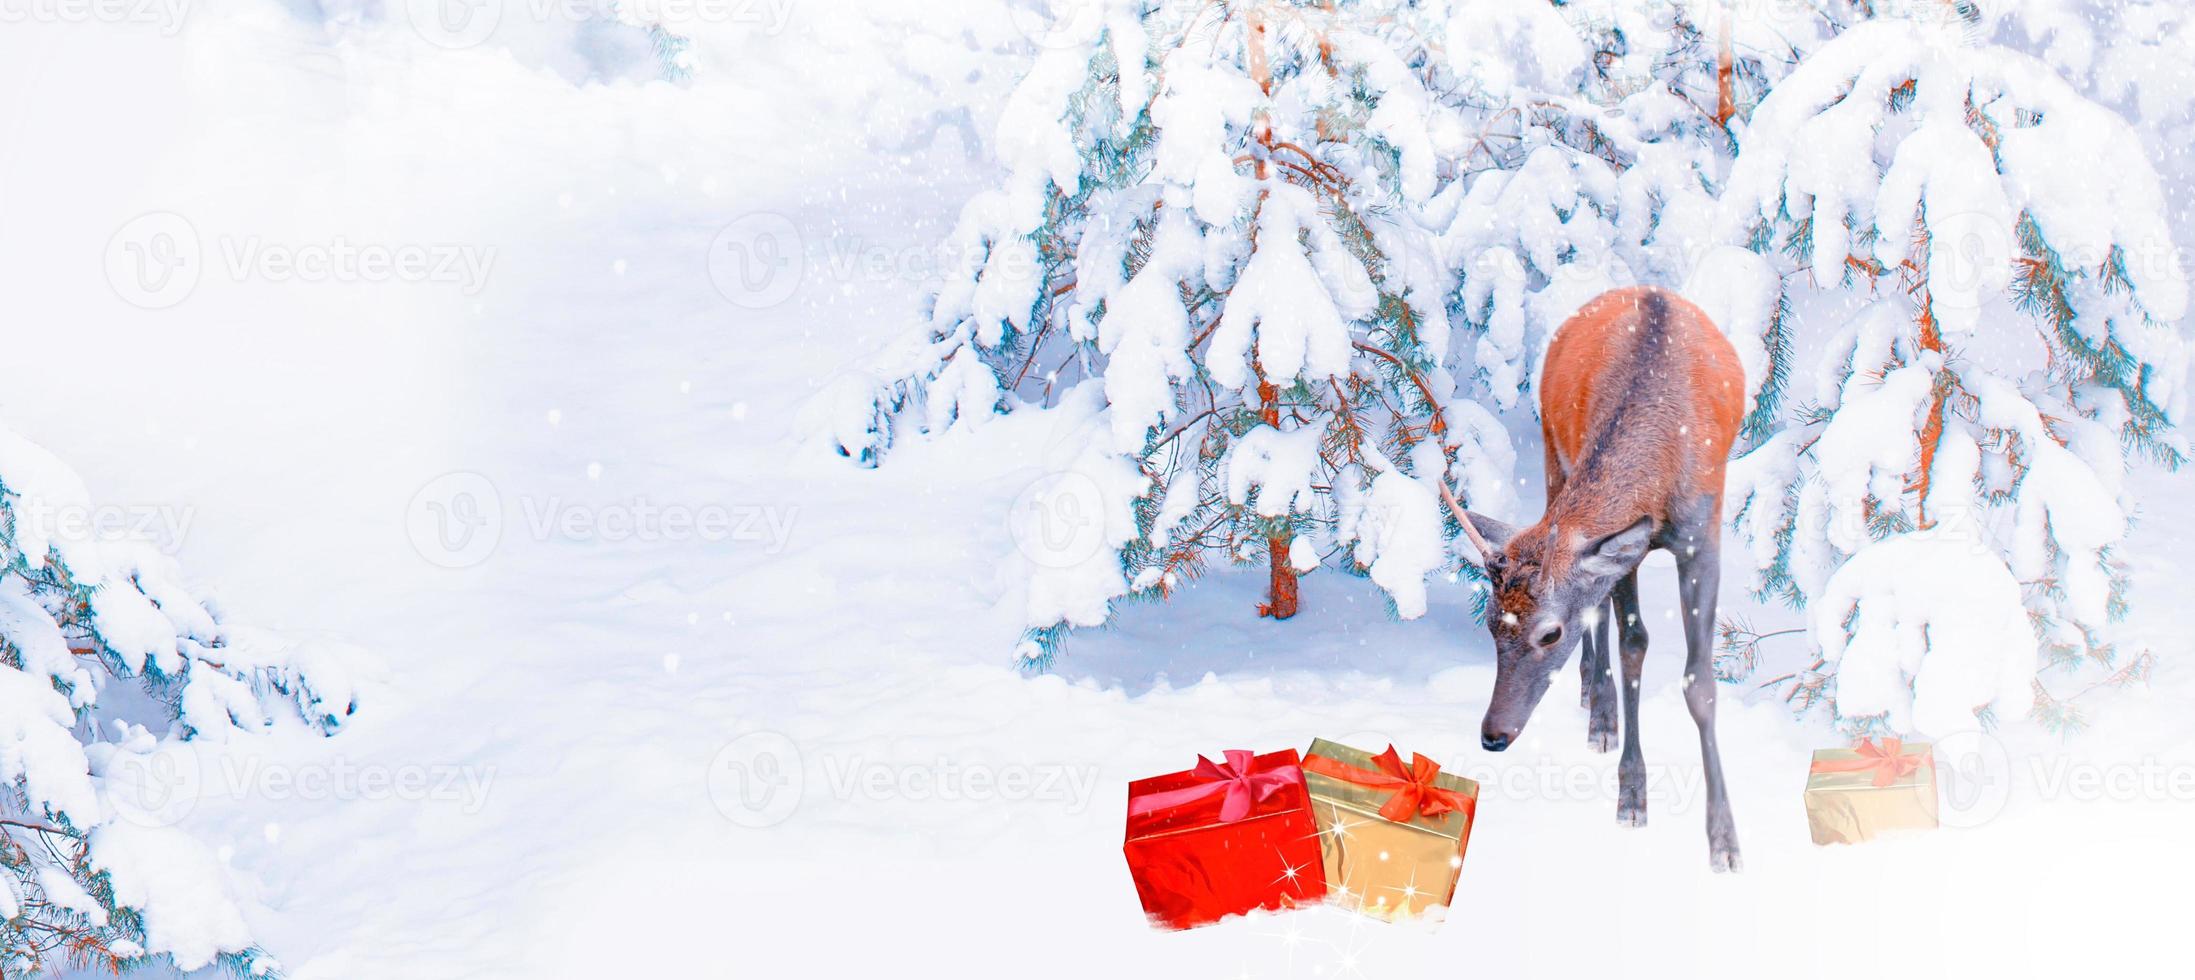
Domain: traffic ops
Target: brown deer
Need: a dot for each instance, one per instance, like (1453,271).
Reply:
(1640,401)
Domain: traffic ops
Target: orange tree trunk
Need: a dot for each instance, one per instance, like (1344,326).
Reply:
(1931,433)
(1280,595)
(1726,96)
(1280,598)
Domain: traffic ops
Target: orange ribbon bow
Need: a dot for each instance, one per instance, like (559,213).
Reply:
(1415,793)
(1887,761)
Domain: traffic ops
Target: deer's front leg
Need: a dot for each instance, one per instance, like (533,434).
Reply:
(1597,681)
(1631,770)
(1698,576)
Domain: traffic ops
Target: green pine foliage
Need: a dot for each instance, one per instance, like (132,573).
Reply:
(97,640)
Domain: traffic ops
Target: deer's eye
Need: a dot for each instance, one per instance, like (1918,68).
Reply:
(1549,636)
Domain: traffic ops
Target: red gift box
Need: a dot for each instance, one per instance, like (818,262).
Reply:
(1224,838)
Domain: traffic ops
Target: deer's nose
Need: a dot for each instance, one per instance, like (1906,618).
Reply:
(1494,741)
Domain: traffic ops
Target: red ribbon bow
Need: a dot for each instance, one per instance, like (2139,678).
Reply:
(1233,777)
(1887,761)
(1415,793)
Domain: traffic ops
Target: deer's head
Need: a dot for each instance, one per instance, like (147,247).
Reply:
(1549,586)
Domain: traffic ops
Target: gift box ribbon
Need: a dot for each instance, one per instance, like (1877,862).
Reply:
(1888,762)
(1415,794)
(1233,777)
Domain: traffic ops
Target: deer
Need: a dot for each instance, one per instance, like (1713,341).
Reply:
(1641,397)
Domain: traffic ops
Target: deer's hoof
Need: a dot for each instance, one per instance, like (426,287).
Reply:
(1601,741)
(1725,861)
(1628,815)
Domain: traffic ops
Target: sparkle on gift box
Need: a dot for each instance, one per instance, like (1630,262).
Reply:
(1409,891)
(1340,828)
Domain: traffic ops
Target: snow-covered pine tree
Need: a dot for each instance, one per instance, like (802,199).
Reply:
(1950,499)
(1210,240)
(98,641)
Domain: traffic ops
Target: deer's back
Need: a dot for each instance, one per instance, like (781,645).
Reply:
(1640,401)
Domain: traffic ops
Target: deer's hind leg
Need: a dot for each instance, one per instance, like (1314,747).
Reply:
(1631,643)
(1597,680)
(1698,576)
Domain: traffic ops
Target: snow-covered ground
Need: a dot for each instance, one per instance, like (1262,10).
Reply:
(712,706)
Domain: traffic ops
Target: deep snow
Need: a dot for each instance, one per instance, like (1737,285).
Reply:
(579,709)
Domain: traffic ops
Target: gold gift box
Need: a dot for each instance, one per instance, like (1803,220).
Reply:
(1380,867)
(1845,806)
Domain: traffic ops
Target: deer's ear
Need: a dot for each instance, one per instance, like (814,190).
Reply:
(1495,532)
(1618,553)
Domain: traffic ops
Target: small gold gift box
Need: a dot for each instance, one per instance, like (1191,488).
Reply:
(1392,835)
(1860,793)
